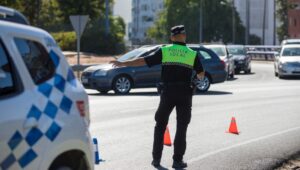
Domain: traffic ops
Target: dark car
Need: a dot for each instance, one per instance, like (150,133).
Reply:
(9,14)
(241,58)
(121,79)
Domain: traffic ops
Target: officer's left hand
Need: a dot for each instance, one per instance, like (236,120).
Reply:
(201,75)
(116,63)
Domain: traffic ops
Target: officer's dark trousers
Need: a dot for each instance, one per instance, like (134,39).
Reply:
(181,98)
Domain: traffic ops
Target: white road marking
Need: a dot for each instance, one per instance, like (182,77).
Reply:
(241,144)
(135,110)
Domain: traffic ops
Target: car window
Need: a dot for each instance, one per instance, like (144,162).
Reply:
(7,83)
(37,60)
(204,55)
(236,50)
(218,50)
(132,54)
(291,52)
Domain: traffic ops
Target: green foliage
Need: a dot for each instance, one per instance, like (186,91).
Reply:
(217,21)
(282,14)
(53,16)
(95,40)
(65,40)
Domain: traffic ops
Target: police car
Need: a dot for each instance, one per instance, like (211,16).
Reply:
(44,111)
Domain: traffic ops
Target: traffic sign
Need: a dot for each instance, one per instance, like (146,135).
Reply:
(78,23)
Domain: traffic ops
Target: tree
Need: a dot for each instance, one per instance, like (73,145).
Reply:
(30,8)
(282,14)
(217,20)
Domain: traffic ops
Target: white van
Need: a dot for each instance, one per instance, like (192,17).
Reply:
(44,113)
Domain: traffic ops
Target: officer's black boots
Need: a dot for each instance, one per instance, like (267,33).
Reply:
(179,165)
(156,163)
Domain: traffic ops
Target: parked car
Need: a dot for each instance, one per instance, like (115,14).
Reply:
(287,63)
(104,77)
(12,15)
(290,41)
(222,52)
(242,60)
(44,108)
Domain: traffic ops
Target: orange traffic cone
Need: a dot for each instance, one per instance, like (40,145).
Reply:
(233,127)
(167,137)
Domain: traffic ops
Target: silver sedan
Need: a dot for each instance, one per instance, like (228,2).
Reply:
(287,63)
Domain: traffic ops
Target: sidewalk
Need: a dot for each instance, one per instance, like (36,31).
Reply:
(87,58)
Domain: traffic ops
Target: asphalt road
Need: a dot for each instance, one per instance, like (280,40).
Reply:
(267,111)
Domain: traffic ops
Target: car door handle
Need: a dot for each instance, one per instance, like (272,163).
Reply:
(30,123)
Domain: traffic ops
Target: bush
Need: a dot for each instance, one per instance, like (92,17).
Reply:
(65,40)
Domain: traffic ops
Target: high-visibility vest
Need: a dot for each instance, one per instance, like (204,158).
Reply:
(178,55)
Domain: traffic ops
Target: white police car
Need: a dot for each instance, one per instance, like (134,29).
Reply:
(44,114)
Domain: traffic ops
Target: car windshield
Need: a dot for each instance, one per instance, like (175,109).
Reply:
(132,54)
(236,50)
(291,51)
(218,50)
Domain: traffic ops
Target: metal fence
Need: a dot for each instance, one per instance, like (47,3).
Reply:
(266,53)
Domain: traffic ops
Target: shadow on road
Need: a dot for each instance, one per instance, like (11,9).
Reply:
(161,168)
(156,94)
(232,79)
(215,93)
(291,78)
(130,94)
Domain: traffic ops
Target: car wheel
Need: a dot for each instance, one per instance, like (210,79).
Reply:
(103,91)
(203,85)
(237,71)
(122,84)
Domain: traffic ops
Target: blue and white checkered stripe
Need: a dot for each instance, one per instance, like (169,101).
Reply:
(53,102)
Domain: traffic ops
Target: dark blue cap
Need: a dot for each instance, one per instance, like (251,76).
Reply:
(179,29)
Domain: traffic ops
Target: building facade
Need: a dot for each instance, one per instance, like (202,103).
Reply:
(257,10)
(144,13)
(294,19)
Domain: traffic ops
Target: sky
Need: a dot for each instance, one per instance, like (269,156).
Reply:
(123,8)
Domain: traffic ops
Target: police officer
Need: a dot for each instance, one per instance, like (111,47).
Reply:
(178,64)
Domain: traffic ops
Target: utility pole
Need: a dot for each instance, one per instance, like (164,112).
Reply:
(233,23)
(264,23)
(247,23)
(201,22)
(107,27)
(275,30)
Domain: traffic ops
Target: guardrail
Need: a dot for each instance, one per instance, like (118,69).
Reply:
(260,52)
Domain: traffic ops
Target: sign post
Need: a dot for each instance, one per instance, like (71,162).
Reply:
(78,23)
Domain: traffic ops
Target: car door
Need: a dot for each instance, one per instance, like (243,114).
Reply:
(17,135)
(147,76)
(29,118)
(11,116)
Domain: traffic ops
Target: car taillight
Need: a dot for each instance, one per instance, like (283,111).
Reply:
(223,64)
(81,108)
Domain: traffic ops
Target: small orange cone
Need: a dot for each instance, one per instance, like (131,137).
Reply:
(167,137)
(233,127)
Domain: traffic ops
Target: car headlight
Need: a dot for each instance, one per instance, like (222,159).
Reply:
(100,73)
(282,64)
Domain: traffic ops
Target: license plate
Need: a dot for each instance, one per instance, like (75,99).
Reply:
(84,80)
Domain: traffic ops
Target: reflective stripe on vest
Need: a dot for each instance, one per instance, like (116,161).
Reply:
(178,55)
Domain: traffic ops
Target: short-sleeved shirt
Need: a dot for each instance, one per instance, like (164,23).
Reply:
(174,73)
